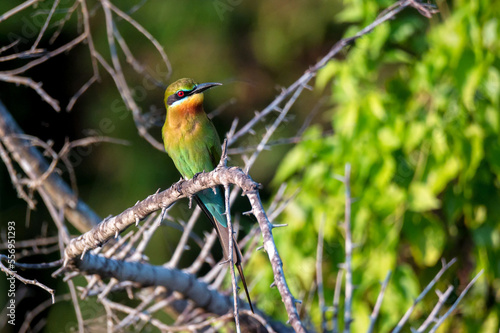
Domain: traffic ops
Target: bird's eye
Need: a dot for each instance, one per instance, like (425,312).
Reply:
(180,93)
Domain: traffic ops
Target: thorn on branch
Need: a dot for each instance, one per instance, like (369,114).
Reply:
(253,191)
(83,253)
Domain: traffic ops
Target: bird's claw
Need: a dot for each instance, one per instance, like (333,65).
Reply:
(178,188)
(196,175)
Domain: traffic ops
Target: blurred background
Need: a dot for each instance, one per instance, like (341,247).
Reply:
(413,107)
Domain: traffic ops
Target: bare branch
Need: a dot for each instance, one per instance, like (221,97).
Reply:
(273,128)
(13,177)
(80,91)
(336,301)
(149,275)
(433,315)
(348,250)
(424,9)
(146,34)
(231,252)
(452,308)
(32,243)
(183,189)
(319,274)
(66,47)
(17,9)
(423,293)
(36,86)
(179,250)
(378,304)
(45,25)
(274,258)
(34,165)
(12,273)
(76,305)
(204,254)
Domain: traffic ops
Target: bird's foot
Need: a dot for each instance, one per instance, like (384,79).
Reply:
(178,188)
(196,175)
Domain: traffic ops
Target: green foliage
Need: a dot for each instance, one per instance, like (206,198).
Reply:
(415,111)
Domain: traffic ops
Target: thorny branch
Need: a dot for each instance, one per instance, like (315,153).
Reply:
(15,141)
(116,71)
(34,165)
(13,273)
(431,284)
(111,227)
(424,9)
(459,298)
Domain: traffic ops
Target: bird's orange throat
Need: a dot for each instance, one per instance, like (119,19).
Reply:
(186,111)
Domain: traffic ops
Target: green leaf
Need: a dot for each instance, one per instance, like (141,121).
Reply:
(351,13)
(427,239)
(421,198)
(292,163)
(492,85)
(470,87)
(490,33)
(415,134)
(326,74)
(388,139)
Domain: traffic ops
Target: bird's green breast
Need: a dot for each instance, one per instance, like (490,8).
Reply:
(191,141)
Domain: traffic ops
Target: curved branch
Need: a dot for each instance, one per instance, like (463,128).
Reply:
(184,189)
(150,275)
(34,165)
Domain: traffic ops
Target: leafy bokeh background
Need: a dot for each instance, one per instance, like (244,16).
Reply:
(414,107)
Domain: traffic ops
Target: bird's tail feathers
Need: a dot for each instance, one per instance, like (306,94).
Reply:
(223,234)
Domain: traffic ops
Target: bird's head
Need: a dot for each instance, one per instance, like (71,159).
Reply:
(186,92)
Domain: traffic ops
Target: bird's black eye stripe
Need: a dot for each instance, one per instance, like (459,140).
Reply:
(178,95)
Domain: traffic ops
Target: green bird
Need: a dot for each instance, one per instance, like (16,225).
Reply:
(192,142)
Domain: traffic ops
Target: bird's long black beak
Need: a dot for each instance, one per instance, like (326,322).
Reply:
(204,86)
